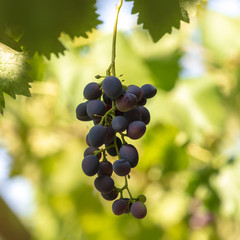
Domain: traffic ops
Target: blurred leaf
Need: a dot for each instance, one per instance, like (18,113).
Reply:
(201,178)
(38,67)
(9,42)
(13,74)
(221,43)
(165,70)
(38,24)
(175,159)
(189,3)
(198,109)
(160,149)
(158,17)
(212,201)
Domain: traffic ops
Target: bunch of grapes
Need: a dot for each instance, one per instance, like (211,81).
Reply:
(117,112)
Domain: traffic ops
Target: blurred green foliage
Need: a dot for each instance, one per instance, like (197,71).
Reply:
(189,157)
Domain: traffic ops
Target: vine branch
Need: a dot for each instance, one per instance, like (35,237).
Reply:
(112,65)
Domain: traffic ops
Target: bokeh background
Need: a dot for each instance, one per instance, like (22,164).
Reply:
(189,157)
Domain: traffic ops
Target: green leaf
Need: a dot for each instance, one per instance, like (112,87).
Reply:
(189,3)
(165,70)
(13,74)
(5,39)
(159,16)
(37,67)
(38,24)
(167,154)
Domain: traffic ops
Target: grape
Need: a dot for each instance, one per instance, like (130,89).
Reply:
(107,100)
(95,107)
(145,115)
(97,120)
(129,153)
(81,112)
(87,140)
(97,135)
(121,167)
(119,206)
(126,102)
(118,113)
(149,90)
(138,210)
(136,130)
(142,198)
(142,102)
(112,151)
(90,165)
(108,107)
(104,184)
(90,151)
(133,115)
(110,196)
(112,87)
(110,135)
(119,124)
(137,91)
(92,91)
(105,168)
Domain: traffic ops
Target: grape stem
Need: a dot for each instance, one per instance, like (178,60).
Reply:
(109,112)
(103,150)
(112,65)
(122,136)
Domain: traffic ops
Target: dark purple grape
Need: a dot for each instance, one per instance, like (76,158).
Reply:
(136,129)
(105,168)
(104,184)
(81,112)
(94,108)
(121,167)
(133,115)
(87,140)
(92,91)
(119,206)
(97,135)
(110,135)
(97,120)
(148,90)
(126,102)
(138,210)
(119,123)
(145,115)
(110,196)
(142,102)
(90,151)
(107,100)
(129,153)
(112,87)
(112,151)
(137,91)
(118,113)
(90,165)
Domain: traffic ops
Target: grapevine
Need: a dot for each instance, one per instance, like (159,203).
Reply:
(118,113)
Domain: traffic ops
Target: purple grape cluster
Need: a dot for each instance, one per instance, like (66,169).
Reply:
(117,112)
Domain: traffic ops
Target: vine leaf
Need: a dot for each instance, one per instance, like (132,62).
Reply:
(37,25)
(159,16)
(165,70)
(13,74)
